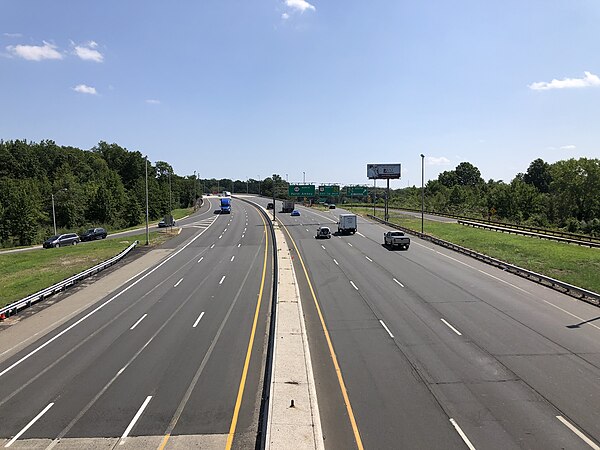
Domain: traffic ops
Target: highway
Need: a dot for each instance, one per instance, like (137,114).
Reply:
(176,352)
(437,350)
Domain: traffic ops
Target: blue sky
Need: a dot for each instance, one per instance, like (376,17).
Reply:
(238,89)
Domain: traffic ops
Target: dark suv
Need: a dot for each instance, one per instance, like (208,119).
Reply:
(94,233)
(61,240)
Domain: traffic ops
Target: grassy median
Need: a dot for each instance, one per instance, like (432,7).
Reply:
(24,273)
(570,263)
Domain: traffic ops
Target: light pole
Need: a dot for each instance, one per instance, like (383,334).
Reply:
(53,212)
(247,179)
(147,230)
(259,185)
(304,177)
(422,189)
(170,197)
(286,177)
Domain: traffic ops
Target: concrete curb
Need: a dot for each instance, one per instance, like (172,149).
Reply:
(297,426)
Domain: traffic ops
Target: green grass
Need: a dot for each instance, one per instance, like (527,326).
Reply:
(570,263)
(24,273)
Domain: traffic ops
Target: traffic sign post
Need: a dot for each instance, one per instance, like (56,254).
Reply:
(301,190)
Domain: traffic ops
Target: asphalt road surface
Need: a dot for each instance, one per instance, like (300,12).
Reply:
(164,356)
(437,350)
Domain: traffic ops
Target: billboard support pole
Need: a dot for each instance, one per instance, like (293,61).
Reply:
(374,193)
(387,201)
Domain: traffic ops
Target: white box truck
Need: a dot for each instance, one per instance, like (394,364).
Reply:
(347,224)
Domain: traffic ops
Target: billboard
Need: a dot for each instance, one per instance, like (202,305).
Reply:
(383,171)
(301,190)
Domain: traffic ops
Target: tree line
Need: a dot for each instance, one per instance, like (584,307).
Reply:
(106,186)
(565,194)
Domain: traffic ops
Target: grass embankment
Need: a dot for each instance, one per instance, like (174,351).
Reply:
(24,273)
(570,263)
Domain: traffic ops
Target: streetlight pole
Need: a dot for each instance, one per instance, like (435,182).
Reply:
(147,230)
(247,179)
(304,177)
(53,214)
(259,185)
(53,211)
(422,189)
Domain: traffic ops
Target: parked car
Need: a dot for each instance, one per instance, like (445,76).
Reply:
(323,233)
(170,222)
(93,233)
(61,240)
(295,213)
(331,206)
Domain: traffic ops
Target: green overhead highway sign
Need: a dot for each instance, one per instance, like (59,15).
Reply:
(357,191)
(301,190)
(331,191)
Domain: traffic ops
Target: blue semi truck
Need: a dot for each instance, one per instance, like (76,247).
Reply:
(225,206)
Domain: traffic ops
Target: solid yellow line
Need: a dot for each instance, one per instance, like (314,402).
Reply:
(238,402)
(164,442)
(338,371)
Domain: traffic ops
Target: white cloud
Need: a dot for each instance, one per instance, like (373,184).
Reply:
(300,5)
(568,147)
(285,16)
(152,101)
(437,161)
(84,89)
(589,79)
(12,35)
(88,52)
(35,52)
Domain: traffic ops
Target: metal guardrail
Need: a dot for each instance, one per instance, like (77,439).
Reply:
(15,307)
(557,285)
(508,229)
(546,231)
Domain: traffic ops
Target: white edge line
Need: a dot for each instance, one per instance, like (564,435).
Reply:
(353,285)
(386,328)
(34,420)
(401,285)
(177,284)
(582,436)
(451,327)
(198,320)
(462,434)
(222,279)
(139,320)
(103,304)
(135,419)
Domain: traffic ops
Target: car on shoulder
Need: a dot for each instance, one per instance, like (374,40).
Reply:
(331,206)
(61,240)
(295,213)
(93,233)
(323,233)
